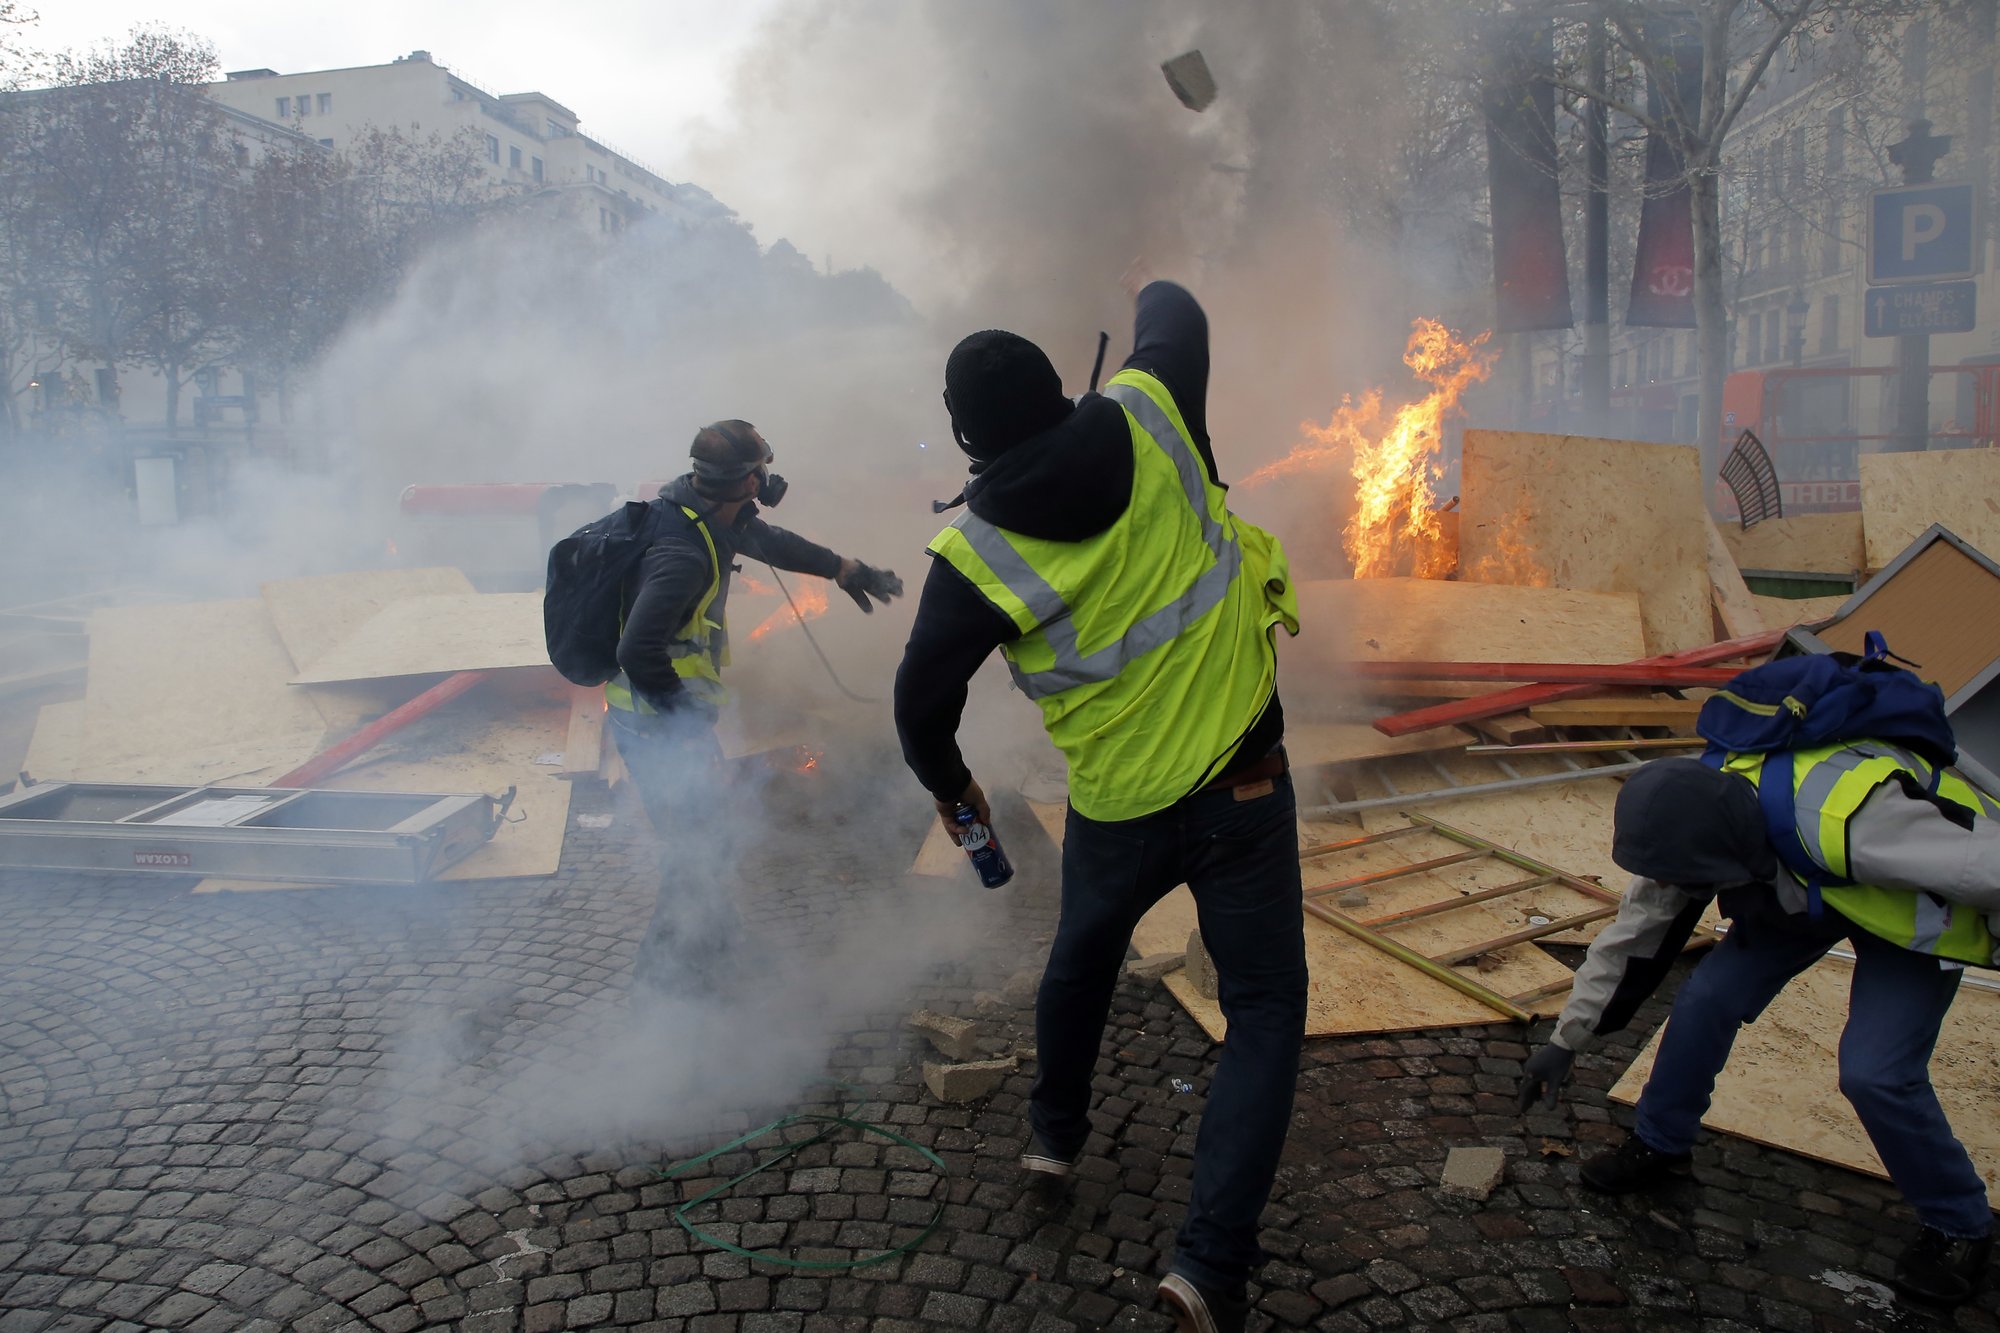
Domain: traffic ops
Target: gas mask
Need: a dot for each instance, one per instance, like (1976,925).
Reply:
(771,487)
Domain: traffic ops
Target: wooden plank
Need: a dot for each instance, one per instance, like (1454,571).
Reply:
(192,692)
(1903,494)
(315,613)
(1734,605)
(1592,515)
(1314,744)
(1804,543)
(1511,729)
(1527,696)
(439,634)
(1780,1087)
(1619,710)
(583,748)
(1357,620)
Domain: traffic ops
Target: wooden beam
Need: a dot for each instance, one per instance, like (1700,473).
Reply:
(1734,605)
(1658,675)
(1511,729)
(1509,701)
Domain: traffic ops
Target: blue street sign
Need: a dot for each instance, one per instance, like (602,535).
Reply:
(1932,307)
(1922,233)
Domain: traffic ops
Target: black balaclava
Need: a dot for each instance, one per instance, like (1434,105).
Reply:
(1679,821)
(1000,389)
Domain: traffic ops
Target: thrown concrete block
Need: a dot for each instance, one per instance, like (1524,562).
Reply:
(1201,968)
(1021,987)
(965,1082)
(1188,75)
(1154,966)
(954,1038)
(986,1002)
(1473,1173)
(1352,898)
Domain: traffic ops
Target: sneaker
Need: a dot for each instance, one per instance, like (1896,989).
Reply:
(1200,1309)
(1633,1165)
(1043,1166)
(1942,1270)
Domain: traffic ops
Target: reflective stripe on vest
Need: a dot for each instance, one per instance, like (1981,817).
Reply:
(1139,728)
(1830,784)
(688,650)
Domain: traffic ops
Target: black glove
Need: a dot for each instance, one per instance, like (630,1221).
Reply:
(865,581)
(1543,1074)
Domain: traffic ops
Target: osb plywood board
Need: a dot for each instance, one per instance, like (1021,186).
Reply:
(315,613)
(1452,621)
(1941,610)
(1902,494)
(196,690)
(1352,988)
(464,748)
(1805,544)
(54,749)
(1597,516)
(440,634)
(1781,1085)
(940,856)
(1784,612)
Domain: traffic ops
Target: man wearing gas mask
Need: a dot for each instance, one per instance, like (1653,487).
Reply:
(672,646)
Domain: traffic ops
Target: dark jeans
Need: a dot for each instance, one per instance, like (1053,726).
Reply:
(1241,859)
(676,767)
(1894,1009)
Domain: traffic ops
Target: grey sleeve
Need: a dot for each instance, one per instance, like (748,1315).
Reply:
(1901,839)
(1627,961)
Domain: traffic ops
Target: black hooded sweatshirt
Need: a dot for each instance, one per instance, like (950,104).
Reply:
(1069,482)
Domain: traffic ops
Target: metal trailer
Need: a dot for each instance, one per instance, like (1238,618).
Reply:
(260,833)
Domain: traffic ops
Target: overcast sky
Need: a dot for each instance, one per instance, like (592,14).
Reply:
(635,72)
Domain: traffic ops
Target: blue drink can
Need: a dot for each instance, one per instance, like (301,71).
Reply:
(982,848)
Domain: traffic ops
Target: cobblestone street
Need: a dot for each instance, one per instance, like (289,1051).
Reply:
(340,1109)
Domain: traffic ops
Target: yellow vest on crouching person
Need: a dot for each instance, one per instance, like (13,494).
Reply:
(1829,783)
(1149,645)
(690,650)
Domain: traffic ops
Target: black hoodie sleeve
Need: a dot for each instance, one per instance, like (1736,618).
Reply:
(956,629)
(787,550)
(1170,343)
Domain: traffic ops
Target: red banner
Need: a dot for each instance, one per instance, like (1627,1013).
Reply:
(1663,264)
(1530,270)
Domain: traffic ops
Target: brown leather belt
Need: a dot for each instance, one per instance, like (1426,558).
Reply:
(1271,767)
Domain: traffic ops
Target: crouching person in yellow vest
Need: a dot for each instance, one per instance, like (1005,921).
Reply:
(673,643)
(1099,556)
(1922,852)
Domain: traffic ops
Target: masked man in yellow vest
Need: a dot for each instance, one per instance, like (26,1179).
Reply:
(673,643)
(1099,556)
(1922,852)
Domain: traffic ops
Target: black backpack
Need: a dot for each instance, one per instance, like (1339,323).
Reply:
(584,593)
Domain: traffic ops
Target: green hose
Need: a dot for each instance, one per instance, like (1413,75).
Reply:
(832,1122)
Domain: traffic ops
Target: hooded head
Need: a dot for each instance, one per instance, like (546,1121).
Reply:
(1000,389)
(1681,822)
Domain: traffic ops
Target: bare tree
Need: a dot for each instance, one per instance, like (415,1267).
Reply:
(1739,40)
(132,176)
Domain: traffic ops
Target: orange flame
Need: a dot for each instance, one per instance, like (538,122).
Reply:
(1393,457)
(812,604)
(755,586)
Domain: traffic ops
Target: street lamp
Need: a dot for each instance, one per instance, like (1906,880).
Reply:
(1795,325)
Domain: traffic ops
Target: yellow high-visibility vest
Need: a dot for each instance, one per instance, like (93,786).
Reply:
(1149,645)
(700,669)
(1829,783)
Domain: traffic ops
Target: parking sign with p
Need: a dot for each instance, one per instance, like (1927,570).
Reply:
(1922,233)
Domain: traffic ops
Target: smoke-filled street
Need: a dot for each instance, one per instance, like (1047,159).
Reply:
(404,1109)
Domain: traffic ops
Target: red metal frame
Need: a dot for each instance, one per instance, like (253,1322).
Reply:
(1658,675)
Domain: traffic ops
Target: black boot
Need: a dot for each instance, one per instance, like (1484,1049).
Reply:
(1942,1270)
(1632,1165)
